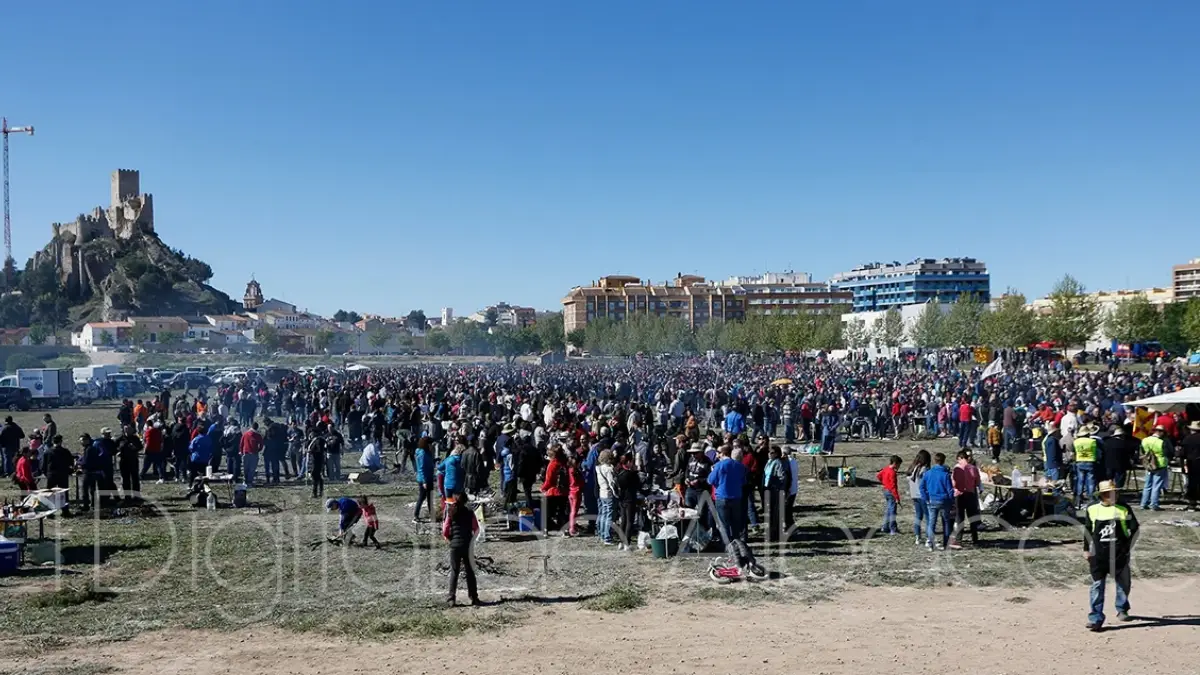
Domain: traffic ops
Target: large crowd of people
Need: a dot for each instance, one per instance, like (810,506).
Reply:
(594,439)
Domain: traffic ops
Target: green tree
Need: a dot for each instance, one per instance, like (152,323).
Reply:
(1010,326)
(107,339)
(14,310)
(18,361)
(893,328)
(961,326)
(491,317)
(1170,333)
(152,288)
(138,335)
(550,332)
(708,336)
(856,334)
(437,341)
(322,339)
(1073,316)
(1134,320)
(268,336)
(379,337)
(827,332)
(344,316)
(39,334)
(1190,326)
(416,321)
(577,338)
(511,342)
(928,330)
(169,339)
(467,336)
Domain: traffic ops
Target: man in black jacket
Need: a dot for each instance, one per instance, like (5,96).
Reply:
(11,435)
(472,465)
(275,443)
(129,451)
(57,464)
(181,437)
(1116,456)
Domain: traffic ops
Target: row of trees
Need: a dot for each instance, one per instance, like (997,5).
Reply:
(655,334)
(1071,320)
(415,320)
(469,337)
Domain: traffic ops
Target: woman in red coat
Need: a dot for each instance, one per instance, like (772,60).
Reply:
(24,476)
(575,493)
(555,488)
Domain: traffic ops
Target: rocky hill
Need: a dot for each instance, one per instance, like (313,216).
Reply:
(107,265)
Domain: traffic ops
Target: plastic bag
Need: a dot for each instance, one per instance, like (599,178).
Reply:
(668,532)
(643,542)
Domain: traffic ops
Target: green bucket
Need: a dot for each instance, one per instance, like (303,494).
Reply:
(664,548)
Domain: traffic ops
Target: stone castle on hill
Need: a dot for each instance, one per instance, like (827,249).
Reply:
(129,213)
(111,262)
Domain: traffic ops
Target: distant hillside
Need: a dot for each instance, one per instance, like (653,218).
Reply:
(108,265)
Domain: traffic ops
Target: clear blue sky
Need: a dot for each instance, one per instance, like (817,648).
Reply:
(383,156)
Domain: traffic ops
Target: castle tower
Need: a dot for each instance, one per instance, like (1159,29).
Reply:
(254,297)
(126,184)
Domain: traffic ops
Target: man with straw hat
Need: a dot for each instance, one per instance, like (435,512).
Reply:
(1086,454)
(1111,531)
(1156,453)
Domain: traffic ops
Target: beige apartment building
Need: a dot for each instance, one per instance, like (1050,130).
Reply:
(697,301)
(1185,280)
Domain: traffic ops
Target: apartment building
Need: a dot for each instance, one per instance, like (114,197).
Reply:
(1185,280)
(881,286)
(789,293)
(506,315)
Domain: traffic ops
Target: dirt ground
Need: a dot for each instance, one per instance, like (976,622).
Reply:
(865,631)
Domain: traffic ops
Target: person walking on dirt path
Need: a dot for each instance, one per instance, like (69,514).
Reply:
(1111,532)
(459,530)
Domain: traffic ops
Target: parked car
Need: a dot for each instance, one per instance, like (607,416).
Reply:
(16,398)
(189,381)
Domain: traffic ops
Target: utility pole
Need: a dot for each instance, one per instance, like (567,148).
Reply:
(8,258)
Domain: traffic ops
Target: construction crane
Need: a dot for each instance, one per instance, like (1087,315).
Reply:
(6,130)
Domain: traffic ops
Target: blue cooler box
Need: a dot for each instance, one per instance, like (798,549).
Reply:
(10,557)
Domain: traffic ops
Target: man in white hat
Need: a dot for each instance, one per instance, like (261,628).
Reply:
(1111,531)
(1157,452)
(694,481)
(1087,451)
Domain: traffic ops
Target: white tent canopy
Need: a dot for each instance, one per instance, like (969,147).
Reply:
(356,368)
(1174,401)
